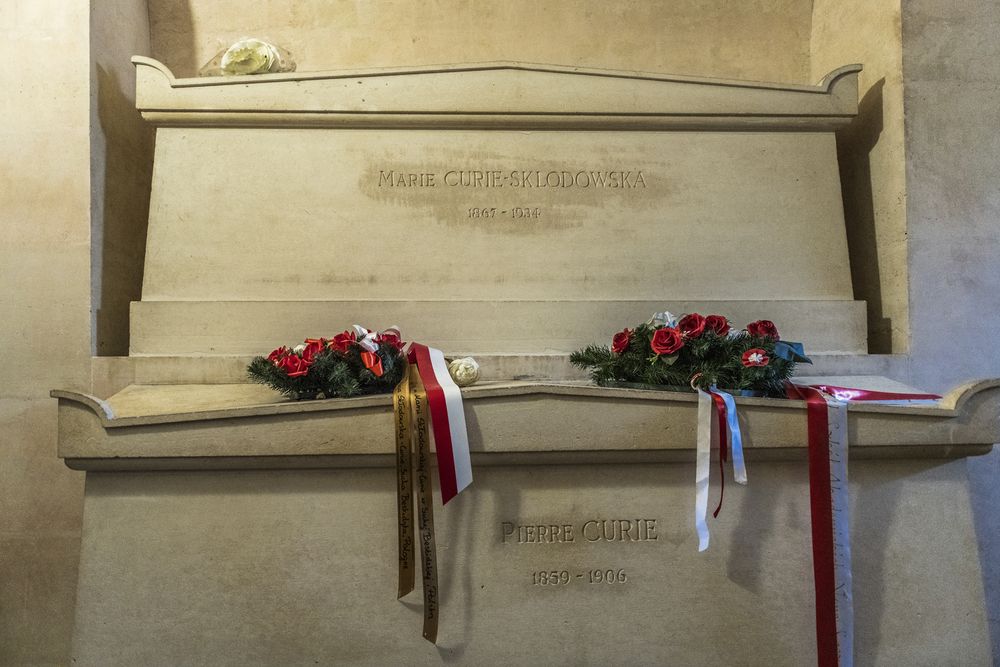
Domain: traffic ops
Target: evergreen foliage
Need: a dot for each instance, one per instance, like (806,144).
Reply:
(332,372)
(707,359)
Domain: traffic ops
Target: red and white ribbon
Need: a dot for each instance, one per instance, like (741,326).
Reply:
(451,439)
(826,408)
(726,432)
(827,438)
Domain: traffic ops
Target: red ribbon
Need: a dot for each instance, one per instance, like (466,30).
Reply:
(852,394)
(420,356)
(720,411)
(821,511)
(372,362)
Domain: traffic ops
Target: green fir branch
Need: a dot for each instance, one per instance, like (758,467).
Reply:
(708,360)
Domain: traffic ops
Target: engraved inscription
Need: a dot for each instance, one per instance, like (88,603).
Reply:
(583,531)
(616,179)
(610,576)
(516,212)
(591,530)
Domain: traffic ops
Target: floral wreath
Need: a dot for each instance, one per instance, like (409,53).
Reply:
(695,351)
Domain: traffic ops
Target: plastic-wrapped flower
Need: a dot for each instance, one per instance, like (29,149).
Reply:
(664,319)
(277,354)
(342,341)
(312,347)
(464,371)
(250,56)
(390,337)
(294,365)
(755,357)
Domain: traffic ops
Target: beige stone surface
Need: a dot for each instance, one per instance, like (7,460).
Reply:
(164,423)
(502,94)
(45,321)
(764,42)
(544,228)
(872,157)
(480,328)
(298,567)
(766,205)
(112,374)
(121,147)
(951,63)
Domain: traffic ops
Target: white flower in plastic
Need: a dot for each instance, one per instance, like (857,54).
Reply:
(299,349)
(664,319)
(250,56)
(464,371)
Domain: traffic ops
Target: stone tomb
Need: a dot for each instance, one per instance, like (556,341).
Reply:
(504,210)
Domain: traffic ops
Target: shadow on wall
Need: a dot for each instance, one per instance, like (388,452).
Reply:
(122,211)
(983,472)
(172,35)
(854,146)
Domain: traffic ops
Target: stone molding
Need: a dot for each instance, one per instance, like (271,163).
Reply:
(504,95)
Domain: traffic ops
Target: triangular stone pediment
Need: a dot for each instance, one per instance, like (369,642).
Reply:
(505,92)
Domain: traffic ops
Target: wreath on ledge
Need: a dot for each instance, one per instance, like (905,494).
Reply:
(353,363)
(695,351)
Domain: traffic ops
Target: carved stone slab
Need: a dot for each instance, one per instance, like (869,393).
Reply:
(208,426)
(474,193)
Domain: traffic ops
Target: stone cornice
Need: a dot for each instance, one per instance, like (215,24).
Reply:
(196,426)
(502,95)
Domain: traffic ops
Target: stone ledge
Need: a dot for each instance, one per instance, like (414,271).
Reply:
(112,374)
(523,422)
(493,326)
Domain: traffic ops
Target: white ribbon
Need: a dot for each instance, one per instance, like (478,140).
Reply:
(703,468)
(456,420)
(837,420)
(365,338)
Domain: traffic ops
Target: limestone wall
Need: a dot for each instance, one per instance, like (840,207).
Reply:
(766,41)
(872,157)
(45,320)
(951,63)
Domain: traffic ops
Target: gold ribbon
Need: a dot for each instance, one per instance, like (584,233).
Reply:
(413,437)
(404,483)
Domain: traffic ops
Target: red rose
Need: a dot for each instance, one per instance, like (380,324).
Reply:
(692,325)
(718,324)
(666,340)
(278,354)
(621,340)
(313,347)
(756,357)
(763,328)
(294,365)
(342,341)
(390,338)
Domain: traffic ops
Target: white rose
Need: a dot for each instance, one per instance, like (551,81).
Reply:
(250,56)
(299,349)
(464,371)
